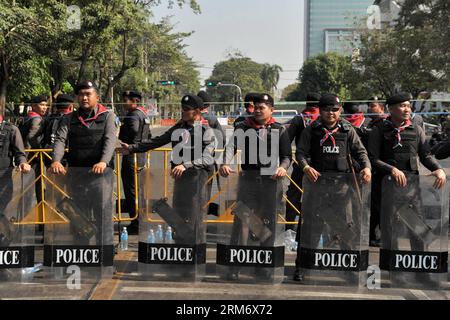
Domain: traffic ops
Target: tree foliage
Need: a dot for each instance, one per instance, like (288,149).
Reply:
(117,45)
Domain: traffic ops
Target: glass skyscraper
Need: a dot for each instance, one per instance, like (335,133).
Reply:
(330,25)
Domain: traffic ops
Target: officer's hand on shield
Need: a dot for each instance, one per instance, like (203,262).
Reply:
(280,173)
(399,177)
(178,171)
(225,171)
(57,168)
(99,168)
(24,167)
(441,178)
(365,175)
(311,173)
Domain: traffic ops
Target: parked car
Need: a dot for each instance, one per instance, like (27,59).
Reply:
(283,116)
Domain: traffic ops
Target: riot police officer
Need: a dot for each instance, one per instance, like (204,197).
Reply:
(32,130)
(395,148)
(11,154)
(258,188)
(63,105)
(376,111)
(295,127)
(191,165)
(135,128)
(249,107)
(356,118)
(327,146)
(91,135)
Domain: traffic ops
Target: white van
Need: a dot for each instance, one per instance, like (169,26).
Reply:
(283,116)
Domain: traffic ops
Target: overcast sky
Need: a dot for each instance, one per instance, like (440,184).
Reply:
(267,31)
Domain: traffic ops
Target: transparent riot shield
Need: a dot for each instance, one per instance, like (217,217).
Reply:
(17,251)
(251,247)
(414,233)
(172,226)
(334,240)
(79,240)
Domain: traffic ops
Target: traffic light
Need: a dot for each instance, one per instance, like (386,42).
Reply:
(212,83)
(167,82)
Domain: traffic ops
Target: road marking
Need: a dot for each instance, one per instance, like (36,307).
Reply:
(308,294)
(419,294)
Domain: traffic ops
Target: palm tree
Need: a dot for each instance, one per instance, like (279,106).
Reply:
(270,75)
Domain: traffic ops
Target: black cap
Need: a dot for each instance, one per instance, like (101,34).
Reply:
(329,99)
(312,99)
(205,97)
(263,98)
(39,99)
(249,97)
(63,100)
(85,85)
(131,94)
(351,107)
(192,101)
(398,98)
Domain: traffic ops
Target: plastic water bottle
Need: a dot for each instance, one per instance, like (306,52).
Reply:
(321,242)
(168,238)
(151,236)
(124,239)
(37,267)
(159,235)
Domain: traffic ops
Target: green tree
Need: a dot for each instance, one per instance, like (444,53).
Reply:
(238,70)
(270,75)
(288,91)
(411,56)
(328,72)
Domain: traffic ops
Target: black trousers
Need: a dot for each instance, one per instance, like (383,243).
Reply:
(328,211)
(375,205)
(128,183)
(189,200)
(262,195)
(392,227)
(93,196)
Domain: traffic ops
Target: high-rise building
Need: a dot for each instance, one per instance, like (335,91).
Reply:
(330,25)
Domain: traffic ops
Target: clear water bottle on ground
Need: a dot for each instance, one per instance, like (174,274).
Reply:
(151,236)
(168,238)
(124,239)
(321,242)
(159,234)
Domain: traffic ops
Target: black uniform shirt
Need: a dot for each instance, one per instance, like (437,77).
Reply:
(356,148)
(375,142)
(243,144)
(109,140)
(132,127)
(16,147)
(171,136)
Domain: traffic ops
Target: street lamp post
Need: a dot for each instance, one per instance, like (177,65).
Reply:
(111,78)
(232,85)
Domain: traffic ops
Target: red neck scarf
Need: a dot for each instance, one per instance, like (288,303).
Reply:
(329,134)
(33,114)
(398,130)
(100,109)
(142,109)
(310,115)
(250,121)
(356,119)
(1,119)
